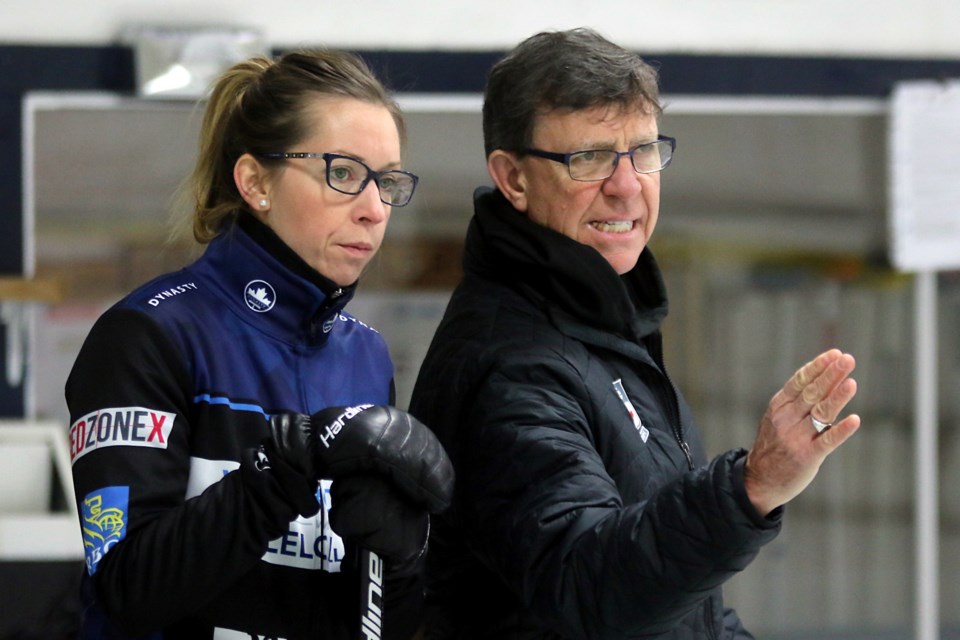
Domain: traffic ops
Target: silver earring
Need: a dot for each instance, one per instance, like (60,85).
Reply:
(263,203)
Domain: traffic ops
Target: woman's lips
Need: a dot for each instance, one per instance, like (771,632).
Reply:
(358,248)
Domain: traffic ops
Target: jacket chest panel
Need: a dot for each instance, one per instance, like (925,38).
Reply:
(634,434)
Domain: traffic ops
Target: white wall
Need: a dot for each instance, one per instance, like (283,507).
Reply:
(884,28)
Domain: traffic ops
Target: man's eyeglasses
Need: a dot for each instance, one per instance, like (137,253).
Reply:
(350,176)
(599,164)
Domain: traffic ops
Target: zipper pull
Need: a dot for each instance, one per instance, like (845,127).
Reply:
(686,452)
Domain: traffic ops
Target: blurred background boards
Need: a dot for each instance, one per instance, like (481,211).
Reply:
(774,237)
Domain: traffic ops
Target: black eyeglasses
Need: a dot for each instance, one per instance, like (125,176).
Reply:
(351,176)
(599,164)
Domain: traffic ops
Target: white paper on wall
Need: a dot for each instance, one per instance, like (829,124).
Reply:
(924,169)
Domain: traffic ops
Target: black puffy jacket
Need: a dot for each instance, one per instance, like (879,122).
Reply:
(585,506)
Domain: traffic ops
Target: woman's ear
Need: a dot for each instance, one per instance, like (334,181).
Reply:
(507,174)
(252,182)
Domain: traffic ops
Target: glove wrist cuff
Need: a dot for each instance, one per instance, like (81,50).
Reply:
(411,565)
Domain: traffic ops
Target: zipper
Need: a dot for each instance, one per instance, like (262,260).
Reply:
(319,317)
(709,615)
(656,349)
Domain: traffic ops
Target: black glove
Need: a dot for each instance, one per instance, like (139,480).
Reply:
(386,441)
(368,511)
(289,453)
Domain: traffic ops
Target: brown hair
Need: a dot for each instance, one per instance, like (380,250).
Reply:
(259,106)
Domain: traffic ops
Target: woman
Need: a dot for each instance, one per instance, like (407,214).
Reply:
(192,526)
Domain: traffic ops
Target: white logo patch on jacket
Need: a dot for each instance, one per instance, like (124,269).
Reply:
(638,425)
(120,426)
(309,543)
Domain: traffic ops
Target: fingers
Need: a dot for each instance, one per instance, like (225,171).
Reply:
(809,373)
(826,395)
(802,378)
(821,386)
(822,383)
(827,409)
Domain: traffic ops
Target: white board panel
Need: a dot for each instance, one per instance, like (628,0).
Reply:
(924,166)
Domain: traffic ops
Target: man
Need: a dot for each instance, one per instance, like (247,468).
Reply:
(585,506)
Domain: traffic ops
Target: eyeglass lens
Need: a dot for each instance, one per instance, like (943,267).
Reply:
(350,176)
(600,164)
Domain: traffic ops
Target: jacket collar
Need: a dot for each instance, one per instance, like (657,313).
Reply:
(270,286)
(505,245)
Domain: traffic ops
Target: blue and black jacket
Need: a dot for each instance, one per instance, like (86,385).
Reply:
(169,399)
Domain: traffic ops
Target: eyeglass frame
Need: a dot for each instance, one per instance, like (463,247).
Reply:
(564,158)
(327,157)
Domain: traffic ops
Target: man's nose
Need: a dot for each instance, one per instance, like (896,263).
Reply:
(624,181)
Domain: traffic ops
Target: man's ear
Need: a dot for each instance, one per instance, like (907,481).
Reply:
(252,182)
(507,174)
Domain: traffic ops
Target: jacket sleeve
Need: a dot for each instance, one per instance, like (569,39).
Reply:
(539,509)
(154,555)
